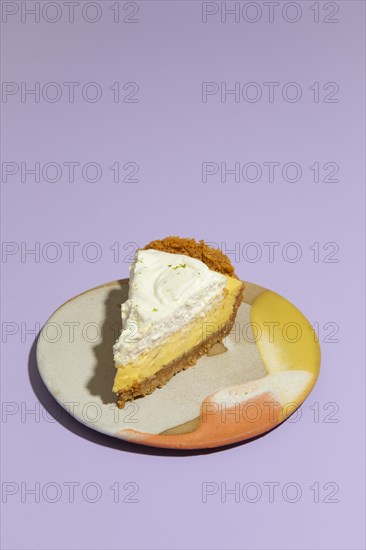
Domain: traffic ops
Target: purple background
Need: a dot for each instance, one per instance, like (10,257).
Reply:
(169,133)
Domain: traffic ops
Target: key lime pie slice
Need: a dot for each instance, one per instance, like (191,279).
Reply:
(183,298)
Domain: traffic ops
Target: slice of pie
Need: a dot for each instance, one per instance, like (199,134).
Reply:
(183,298)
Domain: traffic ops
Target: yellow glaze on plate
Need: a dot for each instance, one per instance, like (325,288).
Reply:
(284,336)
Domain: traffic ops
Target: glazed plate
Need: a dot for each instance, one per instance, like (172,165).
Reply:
(248,384)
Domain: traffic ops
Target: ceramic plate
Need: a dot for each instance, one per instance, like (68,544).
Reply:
(246,386)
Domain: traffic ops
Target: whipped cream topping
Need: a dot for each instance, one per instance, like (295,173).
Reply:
(167,291)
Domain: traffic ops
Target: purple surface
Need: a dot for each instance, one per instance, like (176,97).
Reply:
(169,133)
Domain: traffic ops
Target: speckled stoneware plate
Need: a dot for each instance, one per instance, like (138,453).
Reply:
(246,386)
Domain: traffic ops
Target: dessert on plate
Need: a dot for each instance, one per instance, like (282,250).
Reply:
(183,298)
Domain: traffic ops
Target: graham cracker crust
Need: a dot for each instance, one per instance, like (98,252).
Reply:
(182,362)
